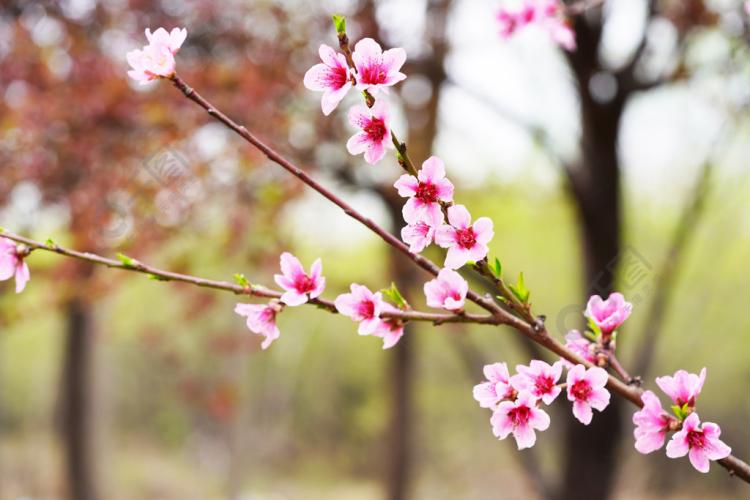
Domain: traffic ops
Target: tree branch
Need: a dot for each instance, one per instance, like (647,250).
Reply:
(253,290)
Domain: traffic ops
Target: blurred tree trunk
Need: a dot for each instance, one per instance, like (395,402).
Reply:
(590,451)
(76,399)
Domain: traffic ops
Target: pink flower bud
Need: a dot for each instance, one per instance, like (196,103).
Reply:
(683,387)
(608,314)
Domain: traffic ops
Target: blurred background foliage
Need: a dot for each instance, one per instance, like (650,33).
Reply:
(115,386)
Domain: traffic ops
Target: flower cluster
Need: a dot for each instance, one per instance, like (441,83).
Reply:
(373,71)
(430,198)
(12,264)
(429,193)
(549,15)
(700,442)
(516,401)
(299,287)
(156,60)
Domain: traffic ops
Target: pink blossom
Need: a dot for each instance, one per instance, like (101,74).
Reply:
(390,330)
(299,285)
(377,70)
(173,40)
(261,319)
(684,387)
(150,63)
(747,7)
(418,236)
(546,14)
(511,19)
(463,240)
(586,390)
(520,417)
(447,291)
(608,314)
(364,306)
(12,264)
(539,379)
(332,77)
(700,442)
(496,388)
(156,60)
(576,342)
(375,132)
(425,192)
(652,424)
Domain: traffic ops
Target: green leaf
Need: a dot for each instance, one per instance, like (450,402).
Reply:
(681,412)
(520,291)
(339,22)
(394,295)
(50,243)
(240,279)
(157,278)
(496,268)
(126,261)
(594,327)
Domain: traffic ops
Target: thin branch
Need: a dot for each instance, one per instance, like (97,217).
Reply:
(253,290)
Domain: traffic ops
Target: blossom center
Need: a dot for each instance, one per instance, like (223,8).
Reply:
(374,73)
(268,315)
(375,129)
(466,238)
(519,415)
(304,284)
(696,439)
(581,390)
(366,309)
(427,192)
(337,77)
(544,384)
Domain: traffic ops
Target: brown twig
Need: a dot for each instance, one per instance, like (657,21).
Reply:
(253,290)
